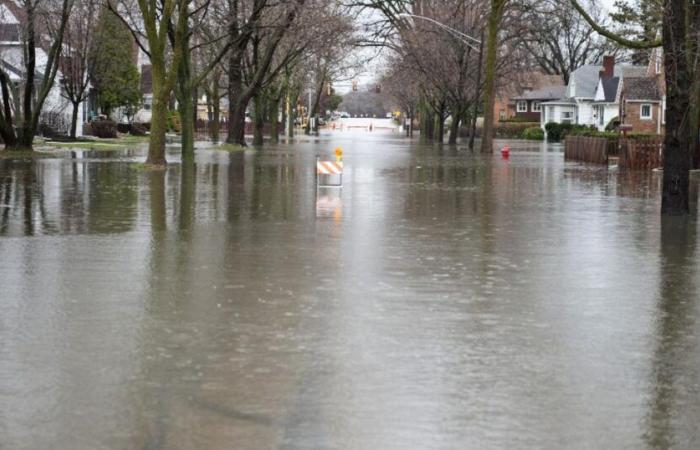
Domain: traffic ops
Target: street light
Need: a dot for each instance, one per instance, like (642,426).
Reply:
(450,29)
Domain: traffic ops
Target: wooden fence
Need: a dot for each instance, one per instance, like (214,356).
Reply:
(641,154)
(589,149)
(645,154)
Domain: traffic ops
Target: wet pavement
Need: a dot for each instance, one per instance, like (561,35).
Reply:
(440,300)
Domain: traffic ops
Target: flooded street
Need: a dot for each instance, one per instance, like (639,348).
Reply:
(441,300)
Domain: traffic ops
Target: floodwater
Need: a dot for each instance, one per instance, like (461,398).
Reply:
(440,300)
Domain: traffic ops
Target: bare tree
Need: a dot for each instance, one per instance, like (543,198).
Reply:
(77,56)
(41,30)
(557,38)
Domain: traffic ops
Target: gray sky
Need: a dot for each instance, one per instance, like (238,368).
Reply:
(606,3)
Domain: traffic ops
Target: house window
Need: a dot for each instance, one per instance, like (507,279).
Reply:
(601,115)
(522,106)
(645,111)
(502,115)
(658,65)
(536,107)
(566,116)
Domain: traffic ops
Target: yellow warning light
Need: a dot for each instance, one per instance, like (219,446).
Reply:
(339,153)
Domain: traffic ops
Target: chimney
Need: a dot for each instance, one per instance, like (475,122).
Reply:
(608,67)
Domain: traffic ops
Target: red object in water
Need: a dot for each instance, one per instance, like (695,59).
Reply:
(505,152)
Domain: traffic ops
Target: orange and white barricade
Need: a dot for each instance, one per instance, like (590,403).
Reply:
(327,172)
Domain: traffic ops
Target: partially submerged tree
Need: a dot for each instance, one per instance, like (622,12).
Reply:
(150,22)
(496,13)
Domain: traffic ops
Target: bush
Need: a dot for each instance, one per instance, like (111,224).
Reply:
(515,119)
(533,134)
(104,128)
(138,129)
(134,129)
(613,125)
(558,131)
(592,132)
(174,123)
(513,130)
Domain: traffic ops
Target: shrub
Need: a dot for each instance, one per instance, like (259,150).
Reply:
(533,134)
(581,130)
(515,119)
(613,125)
(512,130)
(134,129)
(138,129)
(174,123)
(104,128)
(643,136)
(558,131)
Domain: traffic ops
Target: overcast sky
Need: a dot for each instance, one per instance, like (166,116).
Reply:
(607,3)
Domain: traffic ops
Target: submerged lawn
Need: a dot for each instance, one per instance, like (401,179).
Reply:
(122,142)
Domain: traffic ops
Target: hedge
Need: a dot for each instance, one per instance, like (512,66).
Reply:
(533,134)
(513,130)
(104,128)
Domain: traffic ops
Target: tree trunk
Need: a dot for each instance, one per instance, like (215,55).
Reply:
(472,132)
(74,120)
(185,102)
(258,119)
(274,119)
(494,22)
(427,121)
(236,123)
(186,109)
(159,124)
(216,120)
(678,142)
(236,106)
(475,107)
(440,122)
(290,113)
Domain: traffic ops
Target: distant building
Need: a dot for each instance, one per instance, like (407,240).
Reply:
(519,89)
(528,105)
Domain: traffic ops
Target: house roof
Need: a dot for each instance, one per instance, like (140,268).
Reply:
(551,92)
(641,88)
(526,81)
(610,85)
(562,101)
(586,77)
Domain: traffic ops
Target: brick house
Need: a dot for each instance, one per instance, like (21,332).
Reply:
(527,105)
(505,107)
(643,99)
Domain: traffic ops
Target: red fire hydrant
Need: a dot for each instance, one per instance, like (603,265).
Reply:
(505,152)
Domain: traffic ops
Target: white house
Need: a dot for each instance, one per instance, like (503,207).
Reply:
(592,95)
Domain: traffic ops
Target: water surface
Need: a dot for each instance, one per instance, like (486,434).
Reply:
(439,300)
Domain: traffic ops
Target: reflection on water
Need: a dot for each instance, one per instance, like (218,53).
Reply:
(439,300)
